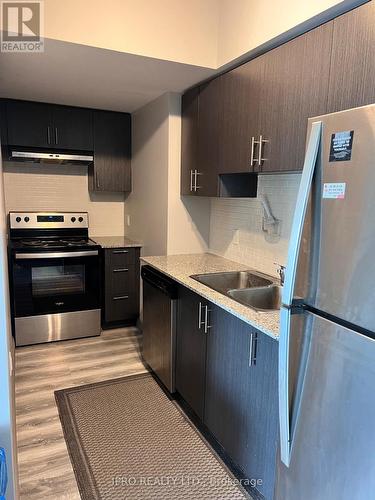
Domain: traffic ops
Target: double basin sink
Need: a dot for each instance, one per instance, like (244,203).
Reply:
(250,288)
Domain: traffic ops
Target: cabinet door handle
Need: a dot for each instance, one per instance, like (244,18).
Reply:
(261,160)
(121,270)
(120,251)
(97,180)
(206,325)
(48,135)
(121,297)
(200,322)
(253,158)
(196,187)
(199,315)
(253,349)
(195,181)
(191,181)
(252,153)
(56,136)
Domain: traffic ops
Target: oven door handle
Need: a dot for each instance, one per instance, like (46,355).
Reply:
(56,255)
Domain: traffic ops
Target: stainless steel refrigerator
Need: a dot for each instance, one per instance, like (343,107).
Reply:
(327,346)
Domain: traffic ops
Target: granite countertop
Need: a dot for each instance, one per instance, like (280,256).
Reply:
(115,242)
(181,267)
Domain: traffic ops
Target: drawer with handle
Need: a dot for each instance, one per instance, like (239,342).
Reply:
(120,307)
(121,258)
(121,278)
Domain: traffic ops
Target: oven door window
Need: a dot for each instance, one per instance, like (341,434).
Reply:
(52,285)
(63,279)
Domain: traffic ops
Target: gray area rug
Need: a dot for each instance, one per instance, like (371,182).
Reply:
(128,440)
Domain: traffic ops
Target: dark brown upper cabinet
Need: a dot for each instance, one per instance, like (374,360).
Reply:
(201,136)
(254,117)
(240,120)
(72,128)
(352,73)
(189,140)
(111,170)
(39,125)
(29,124)
(295,87)
(209,138)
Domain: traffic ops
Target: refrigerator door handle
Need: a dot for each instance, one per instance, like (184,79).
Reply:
(284,420)
(288,289)
(300,212)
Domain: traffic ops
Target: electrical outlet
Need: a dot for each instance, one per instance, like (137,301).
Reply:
(236,237)
(128,220)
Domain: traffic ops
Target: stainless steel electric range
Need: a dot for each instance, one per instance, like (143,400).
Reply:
(55,277)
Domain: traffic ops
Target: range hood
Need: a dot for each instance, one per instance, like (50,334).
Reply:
(55,158)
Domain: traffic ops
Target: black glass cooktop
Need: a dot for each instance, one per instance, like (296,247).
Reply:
(52,243)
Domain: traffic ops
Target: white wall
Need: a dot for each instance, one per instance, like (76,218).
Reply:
(188,217)
(7,413)
(147,203)
(207,33)
(62,188)
(175,30)
(236,224)
(159,218)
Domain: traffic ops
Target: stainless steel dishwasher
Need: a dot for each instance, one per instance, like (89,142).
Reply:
(159,325)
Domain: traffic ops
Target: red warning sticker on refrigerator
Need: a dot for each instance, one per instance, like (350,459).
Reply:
(334,190)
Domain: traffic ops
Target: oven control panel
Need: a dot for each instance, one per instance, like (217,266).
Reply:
(48,220)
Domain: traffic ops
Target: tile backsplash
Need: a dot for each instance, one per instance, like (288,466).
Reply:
(38,187)
(236,224)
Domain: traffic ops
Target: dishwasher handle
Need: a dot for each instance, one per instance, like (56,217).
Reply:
(159,281)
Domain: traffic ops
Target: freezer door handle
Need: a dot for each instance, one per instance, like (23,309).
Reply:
(300,211)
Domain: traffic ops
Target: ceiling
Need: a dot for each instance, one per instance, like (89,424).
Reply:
(68,73)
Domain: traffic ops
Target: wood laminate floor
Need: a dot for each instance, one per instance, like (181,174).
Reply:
(45,471)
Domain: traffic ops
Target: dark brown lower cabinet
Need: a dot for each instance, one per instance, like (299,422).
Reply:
(191,350)
(121,286)
(227,374)
(241,399)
